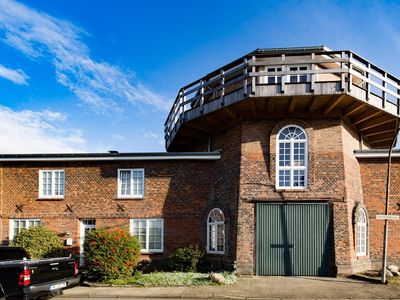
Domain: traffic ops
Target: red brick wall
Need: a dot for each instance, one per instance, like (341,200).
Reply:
(225,192)
(184,192)
(177,191)
(333,175)
(354,195)
(257,177)
(373,174)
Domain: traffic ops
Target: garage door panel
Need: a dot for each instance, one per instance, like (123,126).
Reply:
(293,239)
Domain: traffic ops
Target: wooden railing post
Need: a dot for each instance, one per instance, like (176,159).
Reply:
(223,87)
(384,94)
(342,76)
(350,75)
(253,78)
(201,95)
(283,77)
(398,100)
(368,75)
(180,108)
(312,74)
(245,73)
(183,104)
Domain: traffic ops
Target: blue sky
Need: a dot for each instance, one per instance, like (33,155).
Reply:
(95,76)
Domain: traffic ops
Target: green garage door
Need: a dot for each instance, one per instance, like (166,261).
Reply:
(293,239)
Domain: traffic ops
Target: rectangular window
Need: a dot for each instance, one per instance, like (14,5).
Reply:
(149,233)
(51,184)
(18,224)
(216,240)
(271,79)
(130,183)
(295,78)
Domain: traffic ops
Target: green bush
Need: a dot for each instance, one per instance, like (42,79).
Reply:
(185,259)
(39,242)
(110,254)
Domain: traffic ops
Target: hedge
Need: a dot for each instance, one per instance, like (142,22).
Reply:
(110,254)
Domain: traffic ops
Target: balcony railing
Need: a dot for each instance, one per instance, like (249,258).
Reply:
(257,73)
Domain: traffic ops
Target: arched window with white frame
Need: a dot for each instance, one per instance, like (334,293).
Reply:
(216,232)
(361,233)
(291,166)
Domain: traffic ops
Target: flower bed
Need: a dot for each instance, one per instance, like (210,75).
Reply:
(170,279)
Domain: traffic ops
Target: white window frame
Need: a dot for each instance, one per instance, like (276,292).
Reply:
(11,224)
(131,195)
(82,237)
(147,250)
(297,75)
(361,229)
(265,79)
(291,168)
(216,224)
(53,185)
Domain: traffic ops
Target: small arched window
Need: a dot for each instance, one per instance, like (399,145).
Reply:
(361,234)
(291,170)
(216,232)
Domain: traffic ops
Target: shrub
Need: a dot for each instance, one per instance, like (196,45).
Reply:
(39,242)
(185,259)
(110,254)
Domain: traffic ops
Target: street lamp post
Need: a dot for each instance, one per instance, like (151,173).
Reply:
(385,239)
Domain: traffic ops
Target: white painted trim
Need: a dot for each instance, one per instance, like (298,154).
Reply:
(120,158)
(52,196)
(11,225)
(11,230)
(82,239)
(208,232)
(291,168)
(375,154)
(130,196)
(364,225)
(147,250)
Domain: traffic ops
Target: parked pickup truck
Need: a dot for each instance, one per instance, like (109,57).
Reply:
(24,278)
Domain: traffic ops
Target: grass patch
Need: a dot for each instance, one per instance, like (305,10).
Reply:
(171,279)
(393,280)
(374,276)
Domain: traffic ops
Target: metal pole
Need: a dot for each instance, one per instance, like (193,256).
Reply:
(385,239)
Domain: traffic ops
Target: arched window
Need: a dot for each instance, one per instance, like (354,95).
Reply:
(216,232)
(361,234)
(291,170)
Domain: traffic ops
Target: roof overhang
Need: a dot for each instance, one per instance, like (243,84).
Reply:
(159,156)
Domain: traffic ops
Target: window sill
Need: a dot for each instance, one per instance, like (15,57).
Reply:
(151,252)
(215,253)
(54,198)
(291,189)
(130,197)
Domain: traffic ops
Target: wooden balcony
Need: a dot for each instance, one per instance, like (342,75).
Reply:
(310,82)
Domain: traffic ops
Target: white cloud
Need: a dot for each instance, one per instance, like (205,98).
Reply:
(101,85)
(17,76)
(37,132)
(149,134)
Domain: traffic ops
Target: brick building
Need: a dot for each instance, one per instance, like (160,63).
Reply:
(275,162)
